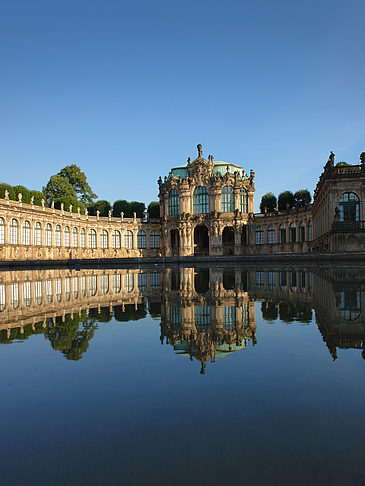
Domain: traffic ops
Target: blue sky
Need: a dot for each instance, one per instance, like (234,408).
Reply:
(126,90)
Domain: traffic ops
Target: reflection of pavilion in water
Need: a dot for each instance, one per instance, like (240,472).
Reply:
(206,313)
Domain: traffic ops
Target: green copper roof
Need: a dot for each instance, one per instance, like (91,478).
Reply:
(219,166)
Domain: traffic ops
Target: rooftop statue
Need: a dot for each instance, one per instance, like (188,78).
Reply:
(200,151)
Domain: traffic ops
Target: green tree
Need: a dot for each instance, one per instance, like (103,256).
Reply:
(138,208)
(38,196)
(24,192)
(302,198)
(102,206)
(7,187)
(286,200)
(154,209)
(78,181)
(268,201)
(122,206)
(58,187)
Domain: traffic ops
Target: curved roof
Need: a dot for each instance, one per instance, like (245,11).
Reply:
(219,166)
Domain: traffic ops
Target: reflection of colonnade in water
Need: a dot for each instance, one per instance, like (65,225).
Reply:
(206,313)
(30,296)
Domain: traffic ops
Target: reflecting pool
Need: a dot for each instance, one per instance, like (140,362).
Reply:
(176,376)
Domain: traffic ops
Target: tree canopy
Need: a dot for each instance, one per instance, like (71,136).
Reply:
(302,198)
(102,206)
(128,208)
(154,209)
(78,181)
(58,187)
(268,201)
(286,200)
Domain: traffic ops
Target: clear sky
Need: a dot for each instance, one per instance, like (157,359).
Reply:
(126,90)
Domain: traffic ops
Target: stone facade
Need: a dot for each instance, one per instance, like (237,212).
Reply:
(206,208)
(30,232)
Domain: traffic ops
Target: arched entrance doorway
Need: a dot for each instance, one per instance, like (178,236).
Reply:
(175,241)
(228,240)
(201,240)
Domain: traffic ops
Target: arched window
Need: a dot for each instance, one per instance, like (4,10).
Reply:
(271,235)
(82,238)
(310,231)
(173,202)
(104,284)
(227,199)
(117,283)
(74,238)
(104,239)
(154,239)
(243,201)
(14,232)
(292,233)
(92,238)
(141,239)
(259,236)
(349,207)
(48,234)
(282,234)
(57,236)
(66,236)
(200,202)
(93,283)
(38,234)
(229,317)
(301,232)
(26,233)
(116,243)
(128,239)
(2,231)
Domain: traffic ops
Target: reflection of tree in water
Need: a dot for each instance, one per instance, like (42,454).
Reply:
(290,312)
(72,335)
(129,312)
(16,334)
(269,310)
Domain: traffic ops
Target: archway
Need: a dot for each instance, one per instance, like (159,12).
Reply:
(228,240)
(201,240)
(175,241)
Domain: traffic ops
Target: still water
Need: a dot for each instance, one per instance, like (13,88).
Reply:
(176,376)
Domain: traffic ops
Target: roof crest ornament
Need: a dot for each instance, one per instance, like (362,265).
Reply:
(200,151)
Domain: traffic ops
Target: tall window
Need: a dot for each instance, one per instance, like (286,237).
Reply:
(282,234)
(82,238)
(301,232)
(38,234)
(227,199)
(116,243)
(74,238)
(292,233)
(259,236)
(26,233)
(141,239)
(200,200)
(93,284)
(349,207)
(142,282)
(104,239)
(92,238)
(14,232)
(66,235)
(2,231)
(201,317)
(67,288)
(75,285)
(243,201)
(14,295)
(154,239)
(49,291)
(229,317)
(173,202)
(58,289)
(155,280)
(310,231)
(57,235)
(271,235)
(128,239)
(48,235)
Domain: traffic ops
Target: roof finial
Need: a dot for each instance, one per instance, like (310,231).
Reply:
(200,152)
